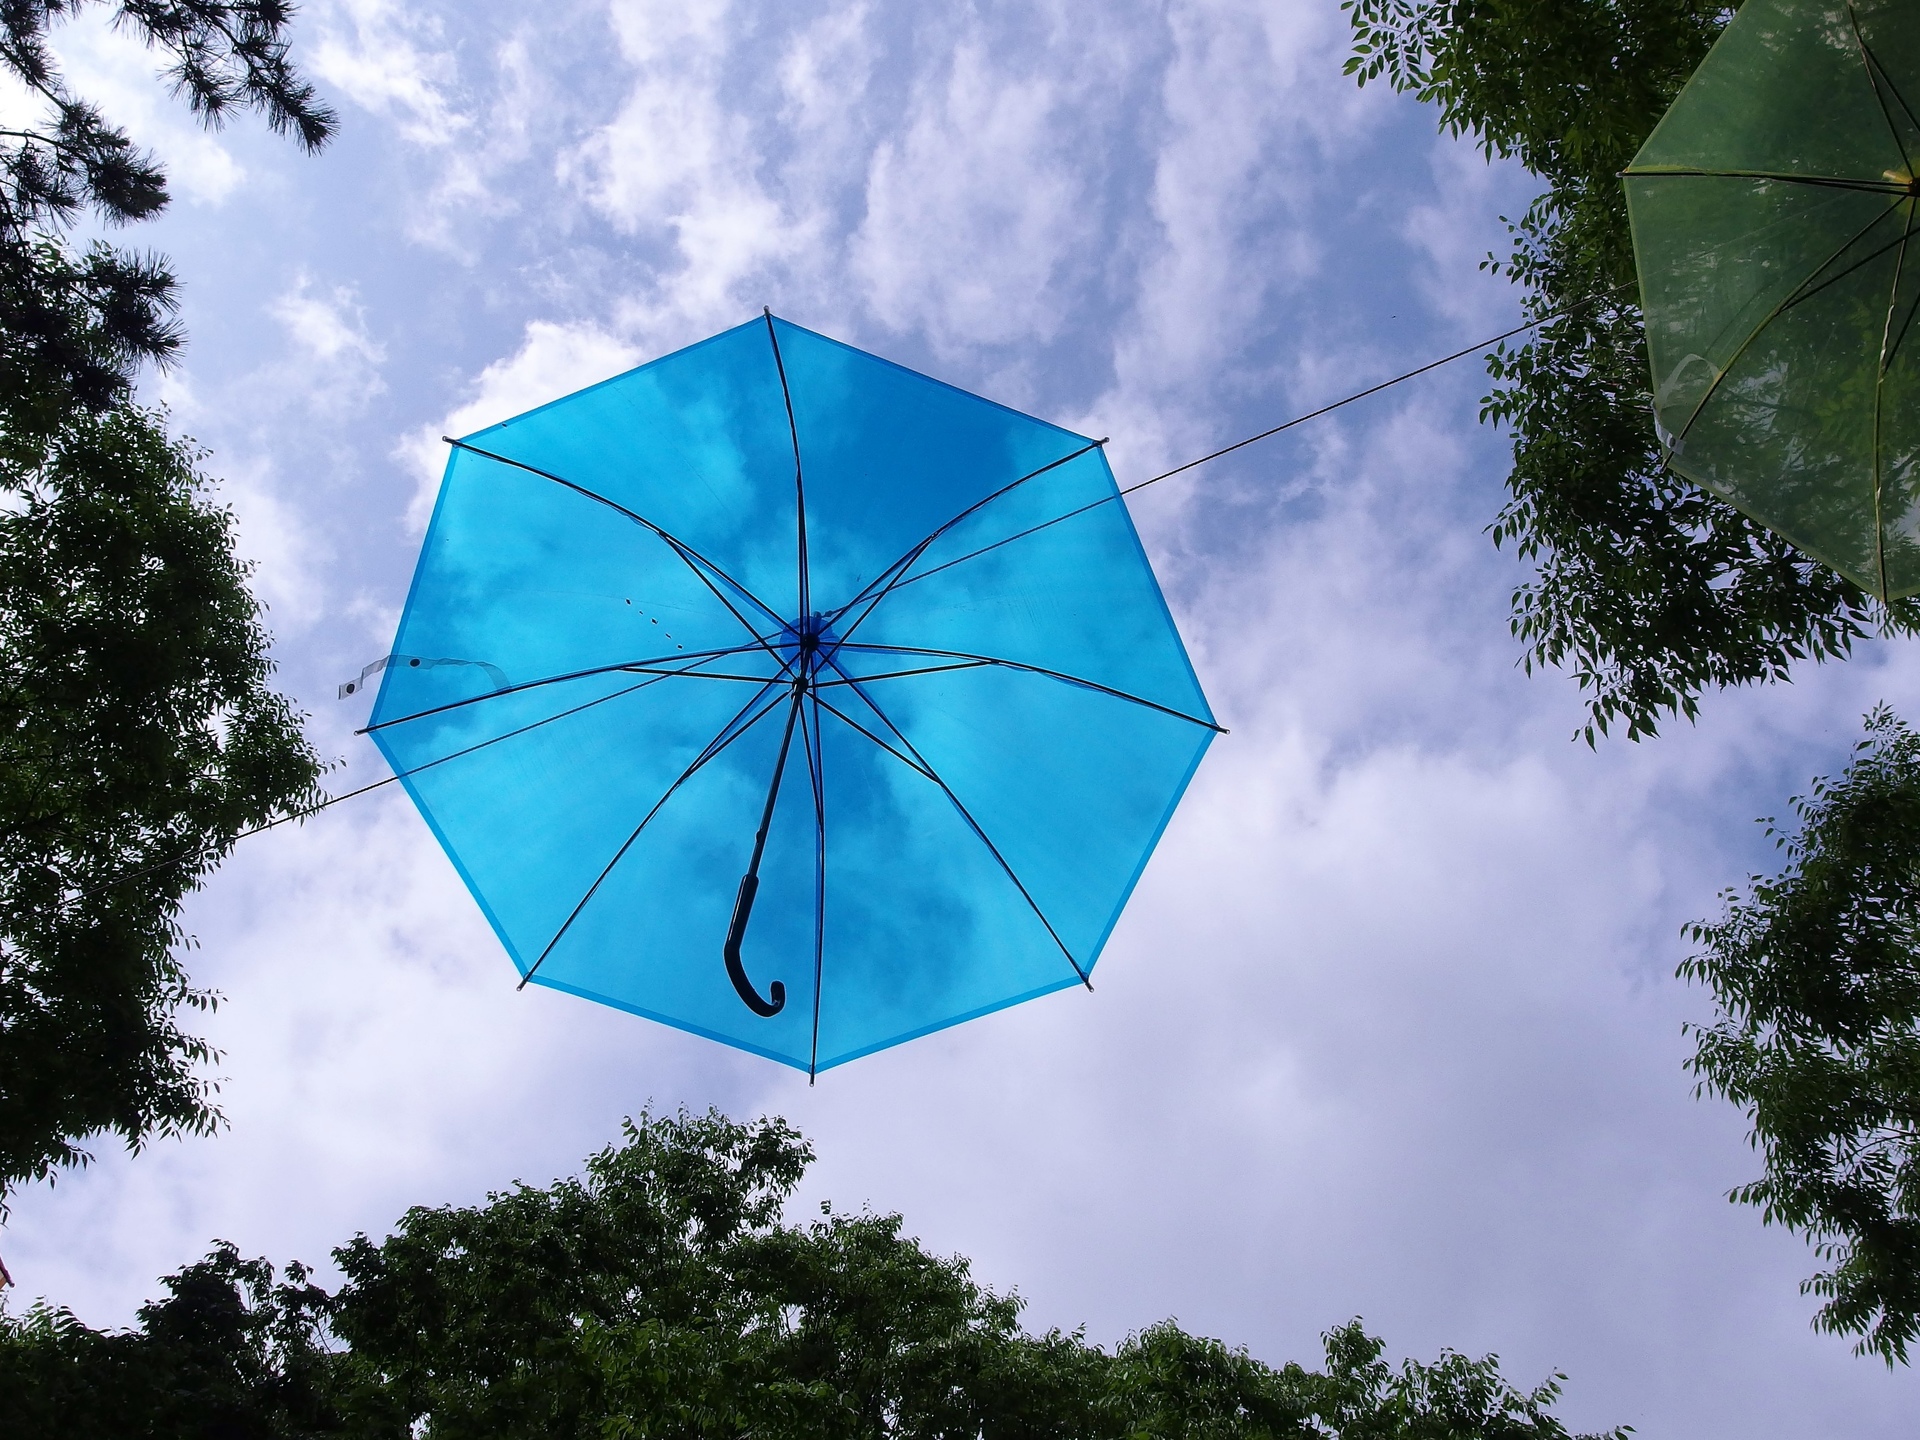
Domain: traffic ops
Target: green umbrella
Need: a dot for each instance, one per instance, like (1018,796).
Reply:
(1772,212)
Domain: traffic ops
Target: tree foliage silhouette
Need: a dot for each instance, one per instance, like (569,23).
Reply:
(138,731)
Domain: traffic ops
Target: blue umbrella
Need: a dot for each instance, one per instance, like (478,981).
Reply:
(787,696)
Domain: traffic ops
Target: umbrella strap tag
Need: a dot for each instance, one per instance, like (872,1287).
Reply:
(420,662)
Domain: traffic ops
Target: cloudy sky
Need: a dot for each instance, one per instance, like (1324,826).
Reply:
(1390,1027)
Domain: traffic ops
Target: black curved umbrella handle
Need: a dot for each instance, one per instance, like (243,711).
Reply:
(736,972)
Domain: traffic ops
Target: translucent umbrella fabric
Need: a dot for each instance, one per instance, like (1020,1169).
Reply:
(773,607)
(1773,210)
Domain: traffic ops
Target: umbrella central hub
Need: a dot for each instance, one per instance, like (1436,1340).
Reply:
(807,644)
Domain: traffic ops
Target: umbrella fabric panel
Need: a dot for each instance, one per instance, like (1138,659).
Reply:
(533,820)
(1766,312)
(1070,786)
(696,442)
(522,583)
(1720,257)
(1772,211)
(1801,429)
(890,456)
(650,940)
(535,580)
(1786,92)
(923,928)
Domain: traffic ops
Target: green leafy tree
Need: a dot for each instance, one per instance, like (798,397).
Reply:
(662,1296)
(1648,589)
(231,1353)
(138,732)
(138,737)
(1816,972)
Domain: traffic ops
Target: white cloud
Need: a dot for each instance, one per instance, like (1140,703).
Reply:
(677,166)
(1456,232)
(1252,98)
(323,327)
(336,363)
(824,75)
(275,535)
(552,361)
(972,211)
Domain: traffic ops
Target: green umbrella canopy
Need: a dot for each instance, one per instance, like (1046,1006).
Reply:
(1772,213)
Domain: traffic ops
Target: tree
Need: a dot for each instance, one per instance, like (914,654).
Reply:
(77,326)
(1816,975)
(1649,589)
(138,737)
(662,1296)
(232,1353)
(138,733)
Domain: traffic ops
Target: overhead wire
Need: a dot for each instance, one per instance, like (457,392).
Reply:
(1480,347)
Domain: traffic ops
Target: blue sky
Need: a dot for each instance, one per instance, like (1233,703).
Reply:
(1390,1028)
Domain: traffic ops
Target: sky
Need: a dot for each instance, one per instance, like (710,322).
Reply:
(1390,1027)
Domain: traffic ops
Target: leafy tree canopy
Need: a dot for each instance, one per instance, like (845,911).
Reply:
(662,1295)
(1816,972)
(1647,588)
(138,732)
(138,737)
(77,326)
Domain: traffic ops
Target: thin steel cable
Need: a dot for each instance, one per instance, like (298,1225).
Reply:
(647,666)
(901,582)
(333,800)
(891,578)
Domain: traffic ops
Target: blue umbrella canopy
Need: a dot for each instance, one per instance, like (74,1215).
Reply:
(787,696)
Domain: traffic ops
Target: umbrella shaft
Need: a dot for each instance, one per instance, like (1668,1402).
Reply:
(773,790)
(750,882)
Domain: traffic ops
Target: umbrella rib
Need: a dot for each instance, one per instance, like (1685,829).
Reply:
(918,767)
(1800,297)
(1285,425)
(522,730)
(1906,328)
(1830,182)
(1871,63)
(713,749)
(919,764)
(1059,675)
(810,737)
(638,667)
(889,578)
(904,674)
(799,485)
(1021,535)
(1802,292)
(690,557)
(1879,396)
